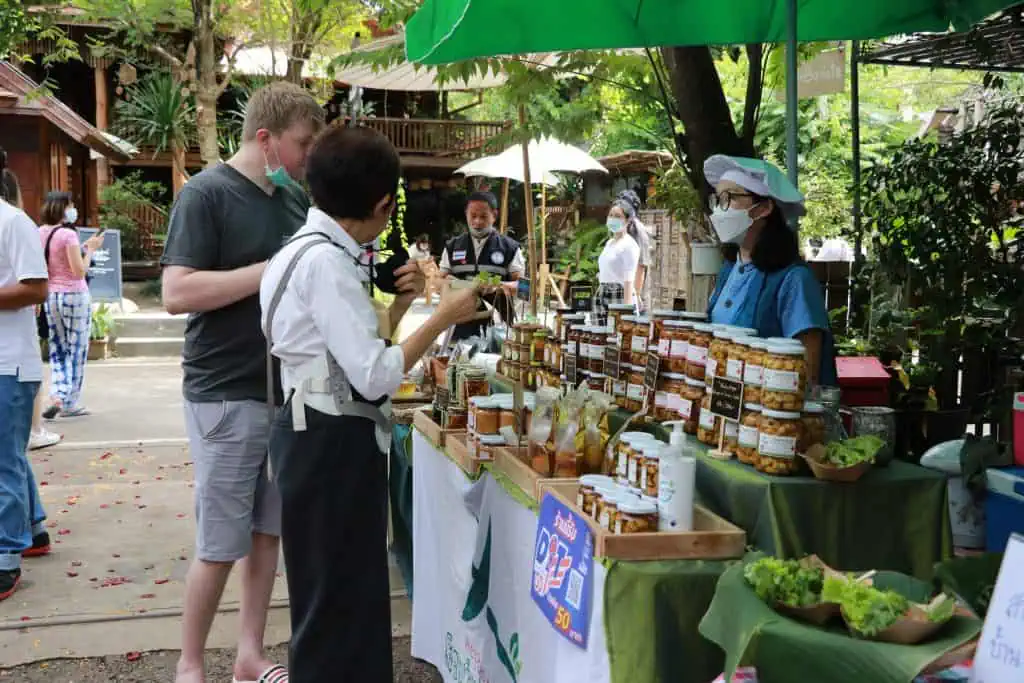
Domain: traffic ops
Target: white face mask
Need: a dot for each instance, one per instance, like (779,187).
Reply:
(71,215)
(731,225)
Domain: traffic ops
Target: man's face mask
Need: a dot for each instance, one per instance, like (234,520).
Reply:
(278,177)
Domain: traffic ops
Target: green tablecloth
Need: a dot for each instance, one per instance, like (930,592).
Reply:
(895,517)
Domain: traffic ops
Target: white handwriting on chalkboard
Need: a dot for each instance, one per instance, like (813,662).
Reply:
(1004,652)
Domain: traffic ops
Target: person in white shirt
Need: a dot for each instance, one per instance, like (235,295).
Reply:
(483,250)
(616,266)
(628,202)
(337,372)
(23,286)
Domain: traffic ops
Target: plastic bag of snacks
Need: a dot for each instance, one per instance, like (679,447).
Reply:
(568,459)
(592,435)
(541,428)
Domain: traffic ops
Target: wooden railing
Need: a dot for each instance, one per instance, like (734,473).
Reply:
(152,226)
(459,139)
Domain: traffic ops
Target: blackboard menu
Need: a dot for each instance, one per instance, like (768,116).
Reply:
(726,398)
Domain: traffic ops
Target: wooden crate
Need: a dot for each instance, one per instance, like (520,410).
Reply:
(457,446)
(713,538)
(510,463)
(424,421)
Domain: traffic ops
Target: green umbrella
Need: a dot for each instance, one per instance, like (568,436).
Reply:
(445,31)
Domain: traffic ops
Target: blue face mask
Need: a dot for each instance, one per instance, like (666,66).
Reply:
(615,225)
(278,177)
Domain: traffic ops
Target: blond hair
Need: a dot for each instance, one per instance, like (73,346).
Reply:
(277,106)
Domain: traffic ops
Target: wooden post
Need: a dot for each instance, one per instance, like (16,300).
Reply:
(528,207)
(504,206)
(102,121)
(543,222)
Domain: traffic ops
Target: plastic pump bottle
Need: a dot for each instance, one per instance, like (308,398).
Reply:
(676,482)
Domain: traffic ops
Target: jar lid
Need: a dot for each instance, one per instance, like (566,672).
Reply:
(638,507)
(597,375)
(652,347)
(667,313)
(743,339)
(620,307)
(780,414)
(674,375)
(649,499)
(652,449)
(479,402)
(786,349)
(783,340)
(642,319)
(678,323)
(695,382)
(625,495)
(581,328)
(694,315)
(814,408)
(606,330)
(723,333)
(504,401)
(703,327)
(756,407)
(633,436)
(759,344)
(596,480)
(491,439)
(629,318)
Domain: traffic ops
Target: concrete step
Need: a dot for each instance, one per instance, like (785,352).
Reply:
(135,347)
(149,325)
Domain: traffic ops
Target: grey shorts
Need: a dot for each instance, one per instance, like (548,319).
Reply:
(234,496)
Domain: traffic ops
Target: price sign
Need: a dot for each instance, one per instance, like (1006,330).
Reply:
(612,368)
(581,298)
(563,570)
(651,372)
(726,398)
(1000,656)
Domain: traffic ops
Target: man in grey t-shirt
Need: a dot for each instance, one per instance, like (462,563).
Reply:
(224,226)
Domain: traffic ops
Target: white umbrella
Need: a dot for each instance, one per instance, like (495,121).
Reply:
(495,167)
(548,155)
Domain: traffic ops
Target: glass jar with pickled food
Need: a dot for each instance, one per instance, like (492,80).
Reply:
(812,422)
(576,339)
(639,344)
(675,336)
(738,350)
(778,436)
(635,389)
(785,376)
(627,441)
(668,398)
(718,355)
(586,495)
(650,467)
(658,319)
(749,433)
(624,332)
(635,517)
(690,401)
(537,343)
(697,350)
(753,370)
(616,312)
(710,426)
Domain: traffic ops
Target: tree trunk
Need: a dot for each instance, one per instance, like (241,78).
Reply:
(179,175)
(207,89)
(703,110)
(295,64)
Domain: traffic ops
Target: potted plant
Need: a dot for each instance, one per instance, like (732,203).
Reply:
(942,218)
(99,337)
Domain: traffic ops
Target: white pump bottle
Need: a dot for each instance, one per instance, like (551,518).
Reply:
(676,482)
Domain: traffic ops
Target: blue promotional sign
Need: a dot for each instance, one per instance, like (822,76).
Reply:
(105,271)
(563,569)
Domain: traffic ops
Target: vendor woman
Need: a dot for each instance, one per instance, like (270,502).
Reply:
(767,285)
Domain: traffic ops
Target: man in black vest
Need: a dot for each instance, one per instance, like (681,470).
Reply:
(483,250)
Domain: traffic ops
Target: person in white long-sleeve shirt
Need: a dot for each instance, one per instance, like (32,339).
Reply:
(337,371)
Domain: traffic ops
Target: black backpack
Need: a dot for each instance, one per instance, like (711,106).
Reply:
(42,326)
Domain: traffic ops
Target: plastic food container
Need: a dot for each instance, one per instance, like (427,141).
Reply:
(718,355)
(635,516)
(739,349)
(710,425)
(749,433)
(650,467)
(658,320)
(785,376)
(624,331)
(484,415)
(628,442)
(616,312)
(812,423)
(697,350)
(753,370)
(586,495)
(690,401)
(639,344)
(779,434)
(635,389)
(675,340)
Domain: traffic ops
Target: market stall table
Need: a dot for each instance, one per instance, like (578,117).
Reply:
(896,517)
(475,621)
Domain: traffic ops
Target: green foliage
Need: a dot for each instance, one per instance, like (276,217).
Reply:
(120,201)
(786,582)
(867,610)
(102,322)
(158,113)
(581,254)
(941,219)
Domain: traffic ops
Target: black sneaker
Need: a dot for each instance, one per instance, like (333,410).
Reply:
(9,580)
(51,411)
(40,546)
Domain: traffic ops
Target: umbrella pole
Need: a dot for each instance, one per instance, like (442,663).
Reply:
(528,208)
(504,206)
(791,90)
(543,222)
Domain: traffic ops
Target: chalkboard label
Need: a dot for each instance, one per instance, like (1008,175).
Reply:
(571,370)
(726,398)
(612,368)
(651,372)
(581,298)
(105,270)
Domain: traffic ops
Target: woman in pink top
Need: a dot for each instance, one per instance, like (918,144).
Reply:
(68,306)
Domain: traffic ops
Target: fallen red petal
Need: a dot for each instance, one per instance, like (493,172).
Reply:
(180,515)
(103,506)
(147,596)
(133,656)
(26,618)
(160,582)
(72,574)
(44,483)
(122,471)
(63,532)
(106,455)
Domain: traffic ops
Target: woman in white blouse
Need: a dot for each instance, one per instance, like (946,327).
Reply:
(616,266)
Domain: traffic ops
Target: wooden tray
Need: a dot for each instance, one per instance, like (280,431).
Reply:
(457,446)
(713,537)
(424,421)
(507,461)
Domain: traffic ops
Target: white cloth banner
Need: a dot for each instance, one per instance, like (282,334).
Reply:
(472,616)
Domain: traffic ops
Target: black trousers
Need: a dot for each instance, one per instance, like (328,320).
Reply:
(333,483)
